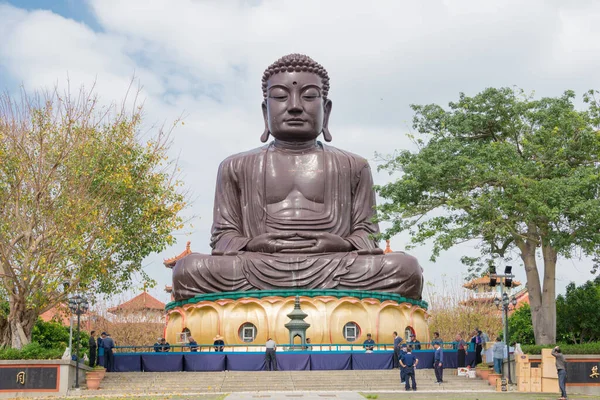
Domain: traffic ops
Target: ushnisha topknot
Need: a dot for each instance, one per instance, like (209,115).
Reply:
(296,63)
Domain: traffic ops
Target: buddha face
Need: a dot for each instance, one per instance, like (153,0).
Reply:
(295,109)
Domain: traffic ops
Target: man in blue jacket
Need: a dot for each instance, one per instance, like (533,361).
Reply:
(397,342)
(109,344)
(438,362)
(408,363)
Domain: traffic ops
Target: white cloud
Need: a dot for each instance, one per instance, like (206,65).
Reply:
(205,59)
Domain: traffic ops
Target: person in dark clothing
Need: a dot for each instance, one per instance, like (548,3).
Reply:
(416,345)
(403,351)
(369,344)
(109,344)
(461,347)
(438,363)
(270,355)
(193,344)
(397,343)
(218,343)
(408,363)
(478,348)
(561,369)
(101,349)
(157,346)
(93,349)
(165,347)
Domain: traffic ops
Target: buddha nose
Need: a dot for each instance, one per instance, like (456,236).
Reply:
(295,104)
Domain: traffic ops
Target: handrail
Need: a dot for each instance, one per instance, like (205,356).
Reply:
(337,347)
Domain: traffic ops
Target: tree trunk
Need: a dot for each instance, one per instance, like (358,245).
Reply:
(534,288)
(548,328)
(20,324)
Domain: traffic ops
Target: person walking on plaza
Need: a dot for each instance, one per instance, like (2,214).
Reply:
(270,358)
(396,357)
(109,344)
(408,363)
(498,351)
(561,368)
(461,347)
(93,349)
(438,363)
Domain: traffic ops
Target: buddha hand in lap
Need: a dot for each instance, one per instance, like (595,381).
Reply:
(295,213)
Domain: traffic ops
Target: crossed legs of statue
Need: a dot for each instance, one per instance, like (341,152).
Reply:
(397,273)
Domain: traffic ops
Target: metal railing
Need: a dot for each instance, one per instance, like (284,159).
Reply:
(245,348)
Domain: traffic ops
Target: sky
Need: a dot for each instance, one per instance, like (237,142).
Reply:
(203,60)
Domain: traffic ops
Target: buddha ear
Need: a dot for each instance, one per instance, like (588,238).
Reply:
(265,136)
(326,134)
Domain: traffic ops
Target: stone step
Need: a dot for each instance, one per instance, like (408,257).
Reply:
(281,381)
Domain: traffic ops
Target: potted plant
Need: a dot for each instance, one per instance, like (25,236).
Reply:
(483,370)
(493,377)
(100,370)
(92,379)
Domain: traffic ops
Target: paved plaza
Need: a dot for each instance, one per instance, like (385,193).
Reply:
(454,395)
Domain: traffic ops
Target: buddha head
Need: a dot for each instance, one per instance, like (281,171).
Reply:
(295,106)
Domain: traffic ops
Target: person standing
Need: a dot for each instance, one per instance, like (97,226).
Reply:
(408,363)
(270,358)
(396,357)
(157,345)
(218,343)
(461,347)
(478,348)
(369,344)
(414,342)
(498,351)
(109,344)
(437,339)
(192,344)
(438,362)
(561,369)
(93,349)
(403,351)
(101,349)
(484,337)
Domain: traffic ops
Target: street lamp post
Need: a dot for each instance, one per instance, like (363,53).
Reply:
(78,305)
(505,304)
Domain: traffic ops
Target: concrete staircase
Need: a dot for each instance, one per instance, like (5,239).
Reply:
(281,381)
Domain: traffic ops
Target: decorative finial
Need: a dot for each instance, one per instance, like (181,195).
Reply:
(388,249)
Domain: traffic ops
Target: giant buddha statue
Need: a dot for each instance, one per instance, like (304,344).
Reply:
(295,213)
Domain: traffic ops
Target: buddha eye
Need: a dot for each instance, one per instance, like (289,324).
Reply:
(311,94)
(278,94)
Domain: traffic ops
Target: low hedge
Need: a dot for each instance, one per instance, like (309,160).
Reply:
(32,351)
(584,348)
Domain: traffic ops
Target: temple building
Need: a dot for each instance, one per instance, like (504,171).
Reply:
(482,292)
(142,308)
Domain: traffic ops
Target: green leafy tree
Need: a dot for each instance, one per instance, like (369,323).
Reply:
(512,172)
(82,201)
(54,335)
(578,313)
(520,328)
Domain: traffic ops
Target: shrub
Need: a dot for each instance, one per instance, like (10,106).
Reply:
(54,335)
(32,351)
(585,348)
